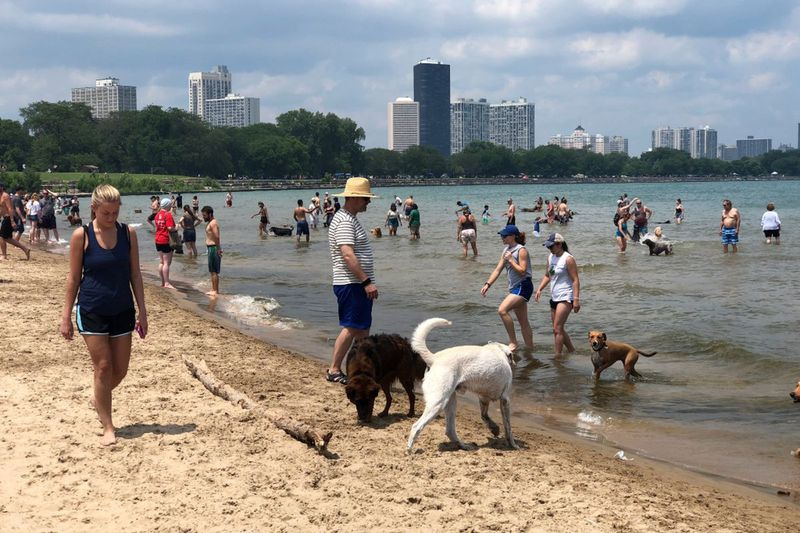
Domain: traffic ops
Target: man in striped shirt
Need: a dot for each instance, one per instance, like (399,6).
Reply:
(353,272)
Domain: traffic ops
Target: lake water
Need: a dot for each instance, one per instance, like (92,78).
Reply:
(714,398)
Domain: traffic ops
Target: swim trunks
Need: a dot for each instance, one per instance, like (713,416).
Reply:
(355,309)
(394,222)
(264,220)
(107,325)
(511,221)
(214,260)
(730,236)
(554,305)
(524,288)
(165,248)
(302,228)
(769,233)
(468,236)
(5,228)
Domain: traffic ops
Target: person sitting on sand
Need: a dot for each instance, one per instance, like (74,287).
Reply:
(103,267)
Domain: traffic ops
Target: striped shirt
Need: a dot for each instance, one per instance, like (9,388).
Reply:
(346,229)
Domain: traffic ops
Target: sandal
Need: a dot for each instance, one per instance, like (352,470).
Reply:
(336,377)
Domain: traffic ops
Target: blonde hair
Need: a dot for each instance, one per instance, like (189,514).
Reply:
(105,193)
(35,197)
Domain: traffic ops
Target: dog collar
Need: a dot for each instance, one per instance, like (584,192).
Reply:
(598,349)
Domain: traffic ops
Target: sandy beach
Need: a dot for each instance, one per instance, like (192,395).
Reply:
(189,461)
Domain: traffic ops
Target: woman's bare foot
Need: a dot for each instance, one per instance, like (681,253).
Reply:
(212,293)
(168,286)
(109,438)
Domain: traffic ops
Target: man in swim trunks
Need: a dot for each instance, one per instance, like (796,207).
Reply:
(729,226)
(407,205)
(511,213)
(641,215)
(6,226)
(299,215)
(467,231)
(214,247)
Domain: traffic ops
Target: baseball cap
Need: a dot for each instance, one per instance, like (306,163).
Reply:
(165,202)
(511,229)
(552,239)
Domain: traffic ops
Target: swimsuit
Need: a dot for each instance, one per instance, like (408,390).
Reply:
(730,236)
(214,259)
(302,227)
(624,228)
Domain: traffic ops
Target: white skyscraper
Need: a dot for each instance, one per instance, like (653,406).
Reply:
(663,137)
(512,124)
(106,97)
(703,143)
(598,143)
(205,86)
(232,111)
(697,142)
(403,121)
(469,122)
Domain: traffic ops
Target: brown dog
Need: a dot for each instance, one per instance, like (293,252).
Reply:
(607,353)
(376,231)
(795,395)
(373,364)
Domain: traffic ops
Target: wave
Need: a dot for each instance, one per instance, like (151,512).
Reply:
(256,311)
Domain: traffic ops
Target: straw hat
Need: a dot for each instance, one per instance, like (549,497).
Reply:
(358,187)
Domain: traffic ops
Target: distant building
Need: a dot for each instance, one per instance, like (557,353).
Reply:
(512,124)
(432,91)
(232,111)
(697,142)
(727,153)
(751,147)
(106,97)
(598,143)
(469,122)
(403,120)
(798,136)
(205,86)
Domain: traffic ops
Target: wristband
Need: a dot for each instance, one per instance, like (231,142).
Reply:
(366,282)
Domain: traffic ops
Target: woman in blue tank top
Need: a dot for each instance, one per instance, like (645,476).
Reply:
(516,261)
(103,266)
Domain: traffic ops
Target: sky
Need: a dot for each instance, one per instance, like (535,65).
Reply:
(616,67)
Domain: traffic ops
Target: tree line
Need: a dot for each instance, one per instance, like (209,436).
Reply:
(63,136)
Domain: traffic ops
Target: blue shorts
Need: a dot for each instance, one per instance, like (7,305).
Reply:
(730,236)
(394,222)
(214,260)
(524,288)
(355,309)
(302,227)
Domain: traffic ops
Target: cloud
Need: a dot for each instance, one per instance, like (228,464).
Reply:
(494,48)
(602,51)
(636,8)
(82,23)
(18,88)
(767,46)
(660,79)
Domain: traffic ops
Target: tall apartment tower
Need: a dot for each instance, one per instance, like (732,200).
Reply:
(106,97)
(403,122)
(469,122)
(512,123)
(703,143)
(232,111)
(751,147)
(432,91)
(205,86)
(663,137)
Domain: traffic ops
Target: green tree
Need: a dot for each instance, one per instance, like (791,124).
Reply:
(382,163)
(481,158)
(424,161)
(15,145)
(60,129)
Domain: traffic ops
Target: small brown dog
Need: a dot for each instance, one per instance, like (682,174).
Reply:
(607,353)
(373,364)
(376,231)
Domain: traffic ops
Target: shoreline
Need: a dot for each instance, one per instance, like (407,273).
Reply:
(189,460)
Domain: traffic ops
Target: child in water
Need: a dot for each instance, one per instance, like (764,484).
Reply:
(536,226)
(486,216)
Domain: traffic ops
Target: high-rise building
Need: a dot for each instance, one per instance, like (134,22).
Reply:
(727,153)
(403,120)
(512,123)
(106,97)
(205,86)
(703,143)
(798,136)
(697,142)
(598,143)
(432,91)
(469,122)
(751,147)
(232,111)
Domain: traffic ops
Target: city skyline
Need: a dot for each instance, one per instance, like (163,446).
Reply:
(626,67)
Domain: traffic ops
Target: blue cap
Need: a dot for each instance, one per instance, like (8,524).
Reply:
(511,229)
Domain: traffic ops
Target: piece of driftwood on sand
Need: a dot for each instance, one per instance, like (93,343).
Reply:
(297,429)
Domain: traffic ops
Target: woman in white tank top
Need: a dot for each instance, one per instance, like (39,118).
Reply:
(516,261)
(565,287)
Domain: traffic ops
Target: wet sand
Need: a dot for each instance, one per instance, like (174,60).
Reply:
(187,460)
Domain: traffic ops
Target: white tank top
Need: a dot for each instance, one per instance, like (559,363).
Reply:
(560,282)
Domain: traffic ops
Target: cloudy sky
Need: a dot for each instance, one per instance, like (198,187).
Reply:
(617,67)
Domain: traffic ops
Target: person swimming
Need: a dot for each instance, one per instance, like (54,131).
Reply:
(486,216)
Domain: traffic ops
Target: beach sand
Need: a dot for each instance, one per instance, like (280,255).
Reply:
(189,461)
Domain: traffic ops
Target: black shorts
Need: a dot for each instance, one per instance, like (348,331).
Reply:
(5,228)
(768,233)
(554,305)
(166,248)
(112,326)
(48,222)
(152,217)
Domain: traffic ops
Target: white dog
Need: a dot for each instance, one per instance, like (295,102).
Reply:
(484,370)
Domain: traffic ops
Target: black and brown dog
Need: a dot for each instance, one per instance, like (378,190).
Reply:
(657,248)
(373,364)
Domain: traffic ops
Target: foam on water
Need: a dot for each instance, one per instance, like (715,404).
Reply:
(256,311)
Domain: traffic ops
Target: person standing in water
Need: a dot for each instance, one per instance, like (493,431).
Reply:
(263,219)
(729,226)
(467,232)
(164,224)
(189,223)
(680,212)
(214,247)
(486,216)
(516,261)
(771,224)
(561,273)
(393,219)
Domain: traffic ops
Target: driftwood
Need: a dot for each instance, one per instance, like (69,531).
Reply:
(297,429)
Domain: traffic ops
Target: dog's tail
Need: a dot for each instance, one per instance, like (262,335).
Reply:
(421,334)
(646,354)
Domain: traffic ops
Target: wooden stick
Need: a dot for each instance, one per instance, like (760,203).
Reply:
(297,429)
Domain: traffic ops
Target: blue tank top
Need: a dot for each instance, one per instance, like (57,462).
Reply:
(106,285)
